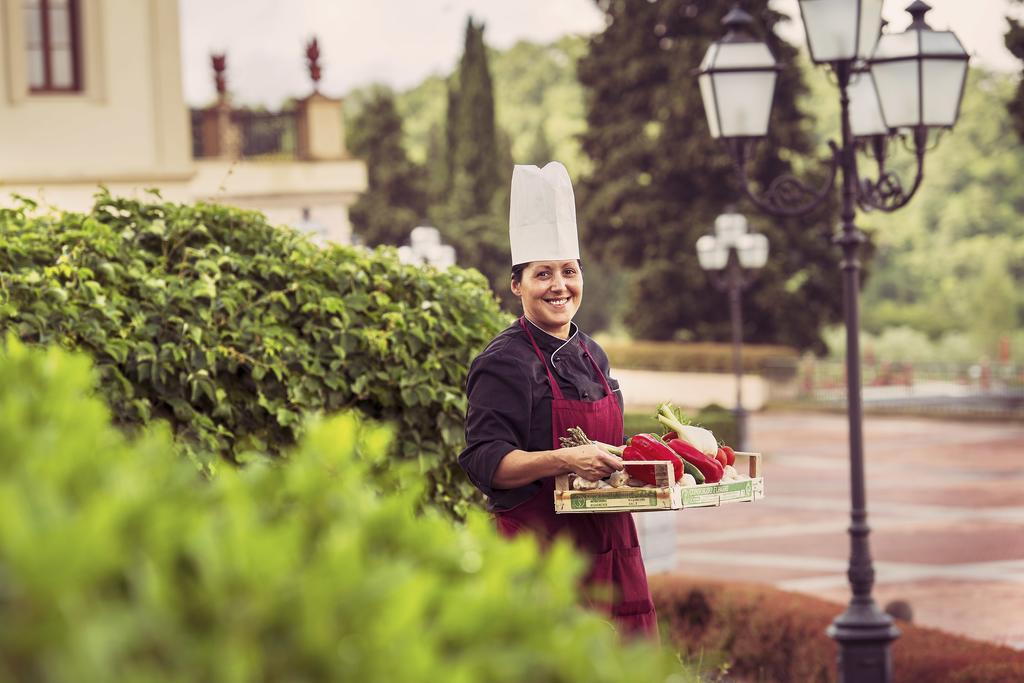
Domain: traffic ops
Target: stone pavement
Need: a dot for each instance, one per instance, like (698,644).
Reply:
(945,505)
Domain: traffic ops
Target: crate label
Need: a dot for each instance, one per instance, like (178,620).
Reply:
(713,494)
(614,500)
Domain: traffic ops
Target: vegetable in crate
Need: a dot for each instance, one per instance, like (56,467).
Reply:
(709,467)
(649,447)
(644,474)
(577,437)
(702,439)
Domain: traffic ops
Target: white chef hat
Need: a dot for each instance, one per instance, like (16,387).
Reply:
(542,215)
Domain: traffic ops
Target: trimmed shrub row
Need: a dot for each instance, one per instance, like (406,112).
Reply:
(119,563)
(232,329)
(777,361)
(771,635)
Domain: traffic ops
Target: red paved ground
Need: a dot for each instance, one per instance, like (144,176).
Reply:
(945,502)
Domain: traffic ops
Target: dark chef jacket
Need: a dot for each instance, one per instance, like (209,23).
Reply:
(510,401)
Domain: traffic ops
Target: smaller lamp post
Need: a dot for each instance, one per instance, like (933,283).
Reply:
(426,249)
(733,250)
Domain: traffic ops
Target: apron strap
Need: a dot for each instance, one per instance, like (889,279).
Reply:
(597,369)
(555,390)
(551,378)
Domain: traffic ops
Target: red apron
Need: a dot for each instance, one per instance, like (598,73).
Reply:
(609,539)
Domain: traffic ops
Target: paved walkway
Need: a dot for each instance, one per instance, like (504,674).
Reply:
(945,504)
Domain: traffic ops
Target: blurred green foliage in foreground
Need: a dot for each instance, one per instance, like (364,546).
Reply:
(119,563)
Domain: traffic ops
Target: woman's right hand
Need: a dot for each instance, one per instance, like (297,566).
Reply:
(591,462)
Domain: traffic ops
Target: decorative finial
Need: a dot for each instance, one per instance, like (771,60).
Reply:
(220,65)
(313,62)
(738,23)
(917,10)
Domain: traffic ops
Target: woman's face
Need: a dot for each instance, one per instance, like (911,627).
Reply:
(551,292)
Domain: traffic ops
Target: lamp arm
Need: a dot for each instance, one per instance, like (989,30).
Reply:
(786,195)
(886,193)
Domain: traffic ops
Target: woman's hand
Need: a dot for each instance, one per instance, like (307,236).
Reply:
(590,462)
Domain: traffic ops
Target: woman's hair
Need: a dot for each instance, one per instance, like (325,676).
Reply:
(517,270)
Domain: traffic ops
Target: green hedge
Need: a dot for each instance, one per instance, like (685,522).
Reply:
(719,420)
(119,563)
(232,329)
(777,361)
(759,633)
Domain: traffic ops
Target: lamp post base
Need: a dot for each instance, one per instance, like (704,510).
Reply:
(864,633)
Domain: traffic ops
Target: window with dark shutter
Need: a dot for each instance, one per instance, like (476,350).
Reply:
(51,39)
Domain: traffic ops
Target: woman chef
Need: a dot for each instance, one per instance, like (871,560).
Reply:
(535,380)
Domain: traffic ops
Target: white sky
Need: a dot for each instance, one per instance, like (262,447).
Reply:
(400,42)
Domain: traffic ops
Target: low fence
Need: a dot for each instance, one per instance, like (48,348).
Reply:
(995,390)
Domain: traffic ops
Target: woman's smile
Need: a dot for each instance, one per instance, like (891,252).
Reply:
(551,292)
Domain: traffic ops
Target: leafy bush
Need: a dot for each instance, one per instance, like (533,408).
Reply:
(231,329)
(702,357)
(772,635)
(121,564)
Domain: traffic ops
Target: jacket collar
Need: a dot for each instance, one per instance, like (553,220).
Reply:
(551,344)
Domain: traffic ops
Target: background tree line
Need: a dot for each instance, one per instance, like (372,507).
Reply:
(621,109)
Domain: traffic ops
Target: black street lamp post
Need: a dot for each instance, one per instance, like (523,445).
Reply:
(732,249)
(891,86)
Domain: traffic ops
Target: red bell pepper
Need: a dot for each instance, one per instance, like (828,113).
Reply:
(641,472)
(709,467)
(648,447)
(653,448)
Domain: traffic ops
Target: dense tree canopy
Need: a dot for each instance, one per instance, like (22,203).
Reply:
(659,179)
(535,87)
(396,197)
(656,171)
(953,259)
(1015,44)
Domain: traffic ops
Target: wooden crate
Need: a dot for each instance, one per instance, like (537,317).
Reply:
(665,496)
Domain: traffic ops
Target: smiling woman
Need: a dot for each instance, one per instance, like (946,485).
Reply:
(537,379)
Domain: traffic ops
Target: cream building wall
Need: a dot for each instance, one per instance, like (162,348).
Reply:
(128,124)
(129,128)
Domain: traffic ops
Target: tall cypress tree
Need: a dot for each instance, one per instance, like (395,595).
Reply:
(395,200)
(451,132)
(475,176)
(473,215)
(540,151)
(1014,39)
(659,180)
(437,165)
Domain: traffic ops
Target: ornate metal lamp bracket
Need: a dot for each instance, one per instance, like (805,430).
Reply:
(886,192)
(785,195)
